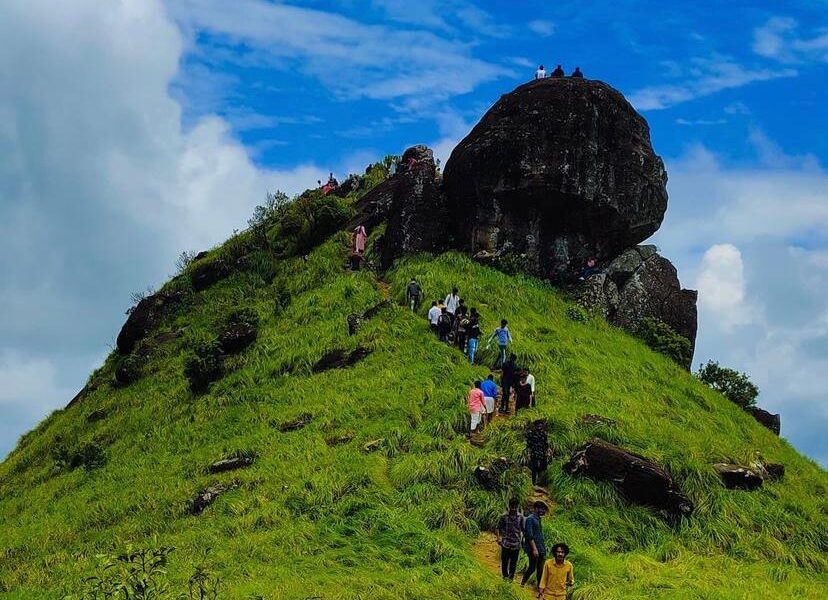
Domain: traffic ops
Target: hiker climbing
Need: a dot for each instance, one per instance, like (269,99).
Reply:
(530,379)
(523,392)
(452,301)
(476,407)
(461,326)
(489,388)
(472,334)
(537,445)
(590,267)
(504,337)
(533,543)
(509,536)
(577,73)
(413,294)
(331,185)
(356,260)
(360,235)
(444,324)
(434,317)
(557,575)
(540,73)
(558,73)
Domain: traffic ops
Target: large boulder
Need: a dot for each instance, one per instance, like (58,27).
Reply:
(418,216)
(557,170)
(768,419)
(144,316)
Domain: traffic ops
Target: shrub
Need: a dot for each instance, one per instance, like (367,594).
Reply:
(308,222)
(734,386)
(184,260)
(89,456)
(203,364)
(242,315)
(660,337)
(268,213)
(577,314)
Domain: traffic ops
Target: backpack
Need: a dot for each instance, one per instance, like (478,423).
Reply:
(444,320)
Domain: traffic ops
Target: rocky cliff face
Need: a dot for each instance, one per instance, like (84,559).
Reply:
(558,170)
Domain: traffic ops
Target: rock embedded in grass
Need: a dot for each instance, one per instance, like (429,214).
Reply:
(237,337)
(337,359)
(207,496)
(231,464)
(295,424)
(206,274)
(638,479)
(738,477)
(766,418)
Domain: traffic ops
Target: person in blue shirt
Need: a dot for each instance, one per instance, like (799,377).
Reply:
(504,338)
(489,388)
(533,542)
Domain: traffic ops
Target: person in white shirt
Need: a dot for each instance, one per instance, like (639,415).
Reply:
(433,316)
(452,301)
(530,379)
(540,73)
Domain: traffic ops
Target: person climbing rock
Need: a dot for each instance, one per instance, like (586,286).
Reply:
(577,73)
(523,393)
(509,535)
(504,338)
(533,543)
(473,334)
(452,301)
(507,381)
(489,388)
(413,294)
(590,267)
(558,574)
(476,407)
(360,235)
(540,73)
(537,445)
(444,324)
(434,317)
(558,72)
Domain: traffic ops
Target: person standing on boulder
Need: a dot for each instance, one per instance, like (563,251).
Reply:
(540,73)
(533,542)
(557,575)
(473,334)
(558,73)
(577,73)
(413,294)
(509,535)
(476,407)
(504,338)
(452,301)
(434,317)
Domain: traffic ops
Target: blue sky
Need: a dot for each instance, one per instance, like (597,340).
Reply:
(134,130)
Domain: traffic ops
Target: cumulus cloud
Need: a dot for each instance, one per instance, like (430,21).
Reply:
(754,242)
(778,39)
(541,27)
(101,183)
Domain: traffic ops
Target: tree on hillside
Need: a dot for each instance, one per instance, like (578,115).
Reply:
(735,386)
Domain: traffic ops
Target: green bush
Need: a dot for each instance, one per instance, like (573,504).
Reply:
(660,337)
(203,364)
(89,456)
(734,386)
(308,222)
(577,314)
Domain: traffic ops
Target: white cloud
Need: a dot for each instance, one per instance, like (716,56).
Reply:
(541,27)
(694,122)
(349,57)
(777,39)
(703,77)
(721,285)
(101,185)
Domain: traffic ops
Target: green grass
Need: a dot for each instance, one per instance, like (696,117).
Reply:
(317,516)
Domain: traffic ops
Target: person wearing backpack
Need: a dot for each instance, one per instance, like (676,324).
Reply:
(444,324)
(461,325)
(509,536)
(413,294)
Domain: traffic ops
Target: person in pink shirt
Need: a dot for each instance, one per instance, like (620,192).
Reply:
(360,235)
(477,406)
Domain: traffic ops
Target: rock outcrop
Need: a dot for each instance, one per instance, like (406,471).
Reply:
(558,170)
(144,316)
(641,283)
(768,419)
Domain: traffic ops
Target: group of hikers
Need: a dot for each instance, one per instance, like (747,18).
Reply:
(515,531)
(558,73)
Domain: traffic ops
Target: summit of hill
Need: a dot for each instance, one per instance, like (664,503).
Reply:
(274,424)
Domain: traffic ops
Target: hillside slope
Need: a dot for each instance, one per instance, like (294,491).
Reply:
(319,516)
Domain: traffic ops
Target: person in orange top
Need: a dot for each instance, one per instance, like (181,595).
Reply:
(557,575)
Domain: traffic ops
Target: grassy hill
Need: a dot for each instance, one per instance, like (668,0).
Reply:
(319,516)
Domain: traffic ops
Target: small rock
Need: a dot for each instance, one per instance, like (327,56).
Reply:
(204,275)
(206,497)
(338,440)
(96,415)
(592,419)
(237,337)
(295,424)
(373,445)
(337,359)
(775,471)
(354,323)
(231,464)
(738,477)
(491,478)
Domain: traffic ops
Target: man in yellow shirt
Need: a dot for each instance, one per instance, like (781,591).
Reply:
(557,575)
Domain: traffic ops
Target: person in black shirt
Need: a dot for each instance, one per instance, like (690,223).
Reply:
(507,380)
(473,333)
(558,72)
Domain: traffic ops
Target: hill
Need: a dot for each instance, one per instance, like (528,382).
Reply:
(318,515)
